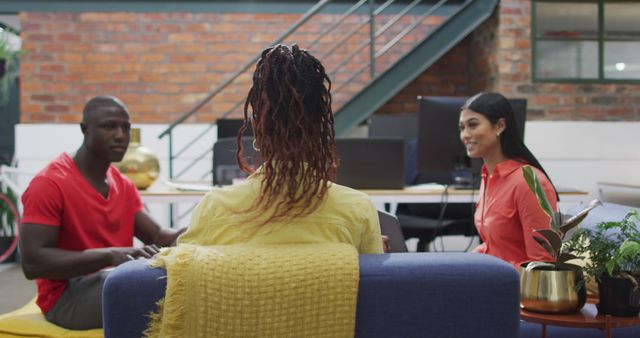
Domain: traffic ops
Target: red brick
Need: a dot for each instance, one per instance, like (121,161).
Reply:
(42,118)
(68,37)
(178,38)
(152,57)
(97,78)
(125,77)
(68,118)
(166,88)
(181,58)
(52,47)
(52,68)
(107,48)
(30,108)
(56,108)
(81,68)
(107,68)
(42,98)
(79,47)
(72,58)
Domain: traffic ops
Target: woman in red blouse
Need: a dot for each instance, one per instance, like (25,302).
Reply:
(507,211)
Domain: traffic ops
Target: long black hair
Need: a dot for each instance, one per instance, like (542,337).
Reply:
(494,106)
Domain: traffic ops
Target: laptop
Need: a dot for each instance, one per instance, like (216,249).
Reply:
(371,163)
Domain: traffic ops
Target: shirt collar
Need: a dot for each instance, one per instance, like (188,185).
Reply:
(503,168)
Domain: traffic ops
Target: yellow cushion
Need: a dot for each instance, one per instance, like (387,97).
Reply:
(28,321)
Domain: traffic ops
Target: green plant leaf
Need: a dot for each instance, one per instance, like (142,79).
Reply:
(629,249)
(545,244)
(534,185)
(566,256)
(554,239)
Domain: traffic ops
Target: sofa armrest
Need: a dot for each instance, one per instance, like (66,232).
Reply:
(437,295)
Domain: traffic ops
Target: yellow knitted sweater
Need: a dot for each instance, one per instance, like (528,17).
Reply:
(291,290)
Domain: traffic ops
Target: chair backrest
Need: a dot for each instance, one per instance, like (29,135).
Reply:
(390,226)
(225,166)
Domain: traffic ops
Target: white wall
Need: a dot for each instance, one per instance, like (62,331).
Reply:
(37,144)
(575,154)
(581,154)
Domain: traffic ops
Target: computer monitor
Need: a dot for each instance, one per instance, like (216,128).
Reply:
(371,163)
(229,128)
(442,157)
(394,125)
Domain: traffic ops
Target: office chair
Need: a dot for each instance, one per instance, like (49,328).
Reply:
(424,220)
(225,166)
(390,226)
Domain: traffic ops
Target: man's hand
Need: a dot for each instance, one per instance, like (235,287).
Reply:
(119,255)
(385,244)
(149,232)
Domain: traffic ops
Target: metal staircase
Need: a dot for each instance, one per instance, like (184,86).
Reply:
(371,52)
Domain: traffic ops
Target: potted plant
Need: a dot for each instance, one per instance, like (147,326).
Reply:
(8,67)
(555,286)
(613,249)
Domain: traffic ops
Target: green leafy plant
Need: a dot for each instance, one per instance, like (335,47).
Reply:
(7,217)
(9,61)
(613,248)
(551,239)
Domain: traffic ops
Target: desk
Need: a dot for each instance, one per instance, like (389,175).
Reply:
(621,193)
(159,193)
(588,317)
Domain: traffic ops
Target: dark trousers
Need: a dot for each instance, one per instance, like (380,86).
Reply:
(80,306)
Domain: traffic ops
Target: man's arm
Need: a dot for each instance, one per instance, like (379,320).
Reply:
(149,232)
(42,259)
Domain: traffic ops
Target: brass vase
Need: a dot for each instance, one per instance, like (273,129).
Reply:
(552,291)
(139,163)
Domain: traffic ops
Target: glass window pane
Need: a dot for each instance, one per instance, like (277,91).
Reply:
(567,59)
(621,60)
(566,20)
(622,20)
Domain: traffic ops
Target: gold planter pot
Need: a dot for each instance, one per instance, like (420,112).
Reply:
(551,291)
(139,163)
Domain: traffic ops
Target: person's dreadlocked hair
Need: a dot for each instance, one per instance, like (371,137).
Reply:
(289,109)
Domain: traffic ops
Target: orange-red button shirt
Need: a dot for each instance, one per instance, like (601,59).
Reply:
(507,212)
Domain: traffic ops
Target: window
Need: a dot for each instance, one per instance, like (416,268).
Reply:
(590,41)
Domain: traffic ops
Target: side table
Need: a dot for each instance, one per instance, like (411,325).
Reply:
(588,317)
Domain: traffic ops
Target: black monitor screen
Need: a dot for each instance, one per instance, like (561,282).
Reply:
(229,128)
(441,156)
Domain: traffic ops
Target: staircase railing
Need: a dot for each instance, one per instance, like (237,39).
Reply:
(373,34)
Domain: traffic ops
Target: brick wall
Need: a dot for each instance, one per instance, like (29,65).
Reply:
(499,52)
(553,101)
(162,64)
(449,76)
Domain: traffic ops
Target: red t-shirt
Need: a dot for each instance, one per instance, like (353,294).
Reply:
(507,212)
(60,196)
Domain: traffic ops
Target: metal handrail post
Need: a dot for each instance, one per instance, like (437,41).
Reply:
(372,40)
(170,153)
(311,12)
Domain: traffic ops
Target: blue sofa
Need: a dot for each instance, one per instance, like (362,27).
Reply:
(400,295)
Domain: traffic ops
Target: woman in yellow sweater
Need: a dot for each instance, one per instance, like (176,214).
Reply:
(290,198)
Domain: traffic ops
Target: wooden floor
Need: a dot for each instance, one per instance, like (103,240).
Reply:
(15,290)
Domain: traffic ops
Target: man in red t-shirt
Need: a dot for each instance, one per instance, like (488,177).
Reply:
(80,216)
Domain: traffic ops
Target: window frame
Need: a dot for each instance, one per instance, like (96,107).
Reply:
(600,39)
